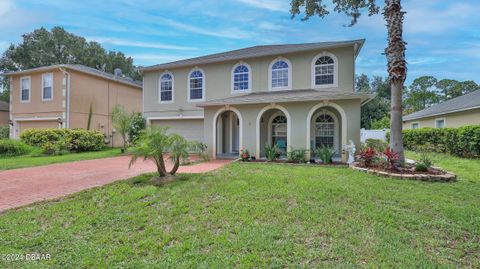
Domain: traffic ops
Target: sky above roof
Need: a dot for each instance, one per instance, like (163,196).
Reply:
(443,36)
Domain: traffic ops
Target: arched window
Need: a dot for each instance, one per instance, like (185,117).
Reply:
(241,80)
(324,71)
(196,86)
(325,131)
(279,132)
(166,87)
(280,75)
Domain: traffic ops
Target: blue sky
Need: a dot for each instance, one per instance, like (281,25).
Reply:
(443,36)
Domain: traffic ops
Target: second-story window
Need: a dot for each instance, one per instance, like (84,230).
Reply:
(25,89)
(47,87)
(280,77)
(241,78)
(196,86)
(324,71)
(166,88)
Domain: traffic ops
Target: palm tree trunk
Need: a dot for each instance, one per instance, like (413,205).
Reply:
(175,166)
(161,167)
(397,71)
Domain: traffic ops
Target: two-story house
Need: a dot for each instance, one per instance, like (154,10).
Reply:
(298,96)
(61,96)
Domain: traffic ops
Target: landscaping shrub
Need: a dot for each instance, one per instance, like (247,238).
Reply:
(420,167)
(77,140)
(10,147)
(271,152)
(297,155)
(367,156)
(137,125)
(4,132)
(390,157)
(463,141)
(325,154)
(377,144)
(244,155)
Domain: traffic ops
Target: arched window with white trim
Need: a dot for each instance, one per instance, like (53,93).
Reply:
(241,78)
(166,88)
(324,71)
(196,85)
(280,75)
(325,131)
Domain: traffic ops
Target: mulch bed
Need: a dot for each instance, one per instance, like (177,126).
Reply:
(338,164)
(434,174)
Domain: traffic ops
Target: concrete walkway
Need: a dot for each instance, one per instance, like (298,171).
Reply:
(24,186)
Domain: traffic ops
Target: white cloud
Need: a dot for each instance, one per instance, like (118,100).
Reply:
(130,43)
(273,5)
(5,7)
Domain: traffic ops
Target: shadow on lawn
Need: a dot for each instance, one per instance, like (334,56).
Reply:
(152,179)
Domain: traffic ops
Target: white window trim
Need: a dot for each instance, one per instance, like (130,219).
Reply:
(203,85)
(232,75)
(444,122)
(289,87)
(335,71)
(336,128)
(160,88)
(415,122)
(49,99)
(29,89)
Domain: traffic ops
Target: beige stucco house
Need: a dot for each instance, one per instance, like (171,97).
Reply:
(457,112)
(4,113)
(298,96)
(60,96)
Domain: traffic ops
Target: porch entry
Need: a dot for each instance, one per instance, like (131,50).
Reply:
(274,130)
(325,130)
(227,135)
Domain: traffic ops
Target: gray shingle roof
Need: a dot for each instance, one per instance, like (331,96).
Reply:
(288,96)
(4,106)
(465,102)
(256,51)
(83,69)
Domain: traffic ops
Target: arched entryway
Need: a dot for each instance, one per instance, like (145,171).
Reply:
(326,127)
(273,128)
(227,133)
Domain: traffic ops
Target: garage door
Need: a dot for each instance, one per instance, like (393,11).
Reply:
(191,129)
(25,125)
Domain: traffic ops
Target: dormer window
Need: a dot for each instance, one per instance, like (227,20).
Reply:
(241,78)
(196,86)
(324,71)
(166,88)
(280,75)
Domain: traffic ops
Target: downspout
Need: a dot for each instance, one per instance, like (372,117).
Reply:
(68,97)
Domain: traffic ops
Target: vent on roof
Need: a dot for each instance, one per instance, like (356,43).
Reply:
(117,72)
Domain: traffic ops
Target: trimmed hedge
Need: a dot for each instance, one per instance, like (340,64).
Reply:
(463,141)
(10,147)
(77,140)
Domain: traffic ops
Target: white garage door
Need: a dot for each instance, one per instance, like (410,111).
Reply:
(191,129)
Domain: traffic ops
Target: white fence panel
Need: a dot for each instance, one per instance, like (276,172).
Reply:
(373,134)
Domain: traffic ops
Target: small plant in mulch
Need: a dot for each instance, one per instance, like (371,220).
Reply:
(244,155)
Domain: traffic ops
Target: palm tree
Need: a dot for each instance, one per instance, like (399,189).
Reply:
(156,145)
(395,51)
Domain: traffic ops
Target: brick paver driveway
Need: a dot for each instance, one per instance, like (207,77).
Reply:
(28,185)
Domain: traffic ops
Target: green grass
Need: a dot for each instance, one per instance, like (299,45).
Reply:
(258,215)
(32,160)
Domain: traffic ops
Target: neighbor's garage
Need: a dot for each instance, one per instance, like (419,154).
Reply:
(191,129)
(25,125)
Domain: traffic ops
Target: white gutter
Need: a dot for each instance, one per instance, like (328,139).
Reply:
(68,96)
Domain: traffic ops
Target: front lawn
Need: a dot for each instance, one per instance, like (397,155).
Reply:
(32,160)
(258,215)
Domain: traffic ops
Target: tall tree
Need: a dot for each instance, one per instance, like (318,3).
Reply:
(362,83)
(379,107)
(395,51)
(421,94)
(446,87)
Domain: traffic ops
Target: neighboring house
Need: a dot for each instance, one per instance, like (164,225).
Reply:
(60,96)
(4,113)
(298,96)
(457,112)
